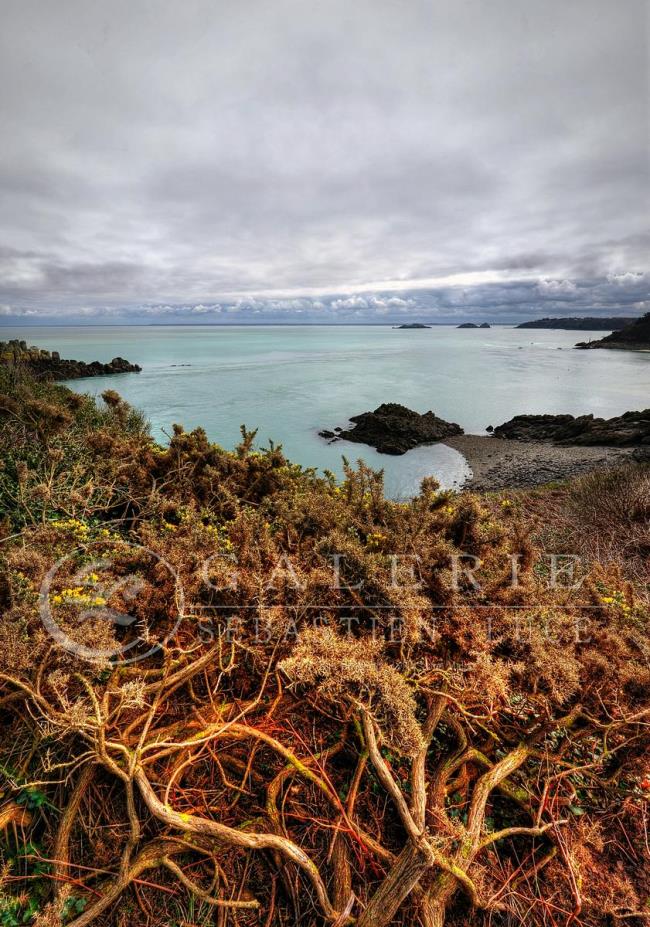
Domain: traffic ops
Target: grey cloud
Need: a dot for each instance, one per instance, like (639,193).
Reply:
(623,294)
(322,161)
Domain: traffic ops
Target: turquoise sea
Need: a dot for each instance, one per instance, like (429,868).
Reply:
(291,381)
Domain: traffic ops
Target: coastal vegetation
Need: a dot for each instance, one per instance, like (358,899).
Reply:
(235,692)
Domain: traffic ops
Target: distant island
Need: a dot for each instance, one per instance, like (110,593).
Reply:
(634,337)
(49,365)
(473,325)
(412,325)
(586,323)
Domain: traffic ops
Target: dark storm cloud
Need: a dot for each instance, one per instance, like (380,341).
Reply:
(366,161)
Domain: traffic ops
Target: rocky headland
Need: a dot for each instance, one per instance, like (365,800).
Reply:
(634,337)
(394,429)
(49,365)
(474,325)
(585,323)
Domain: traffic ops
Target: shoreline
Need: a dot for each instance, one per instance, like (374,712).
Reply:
(502,463)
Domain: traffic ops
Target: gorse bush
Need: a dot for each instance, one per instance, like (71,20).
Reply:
(611,510)
(51,450)
(234,691)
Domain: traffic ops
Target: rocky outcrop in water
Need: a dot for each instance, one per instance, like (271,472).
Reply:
(410,325)
(394,429)
(49,365)
(634,337)
(632,429)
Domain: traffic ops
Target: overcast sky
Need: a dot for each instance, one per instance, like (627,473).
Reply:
(334,161)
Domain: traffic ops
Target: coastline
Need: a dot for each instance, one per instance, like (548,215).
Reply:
(502,463)
(596,345)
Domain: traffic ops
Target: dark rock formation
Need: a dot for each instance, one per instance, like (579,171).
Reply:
(484,325)
(412,325)
(468,325)
(587,323)
(634,337)
(394,429)
(629,430)
(46,365)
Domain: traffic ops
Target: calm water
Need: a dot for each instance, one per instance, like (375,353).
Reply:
(291,381)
